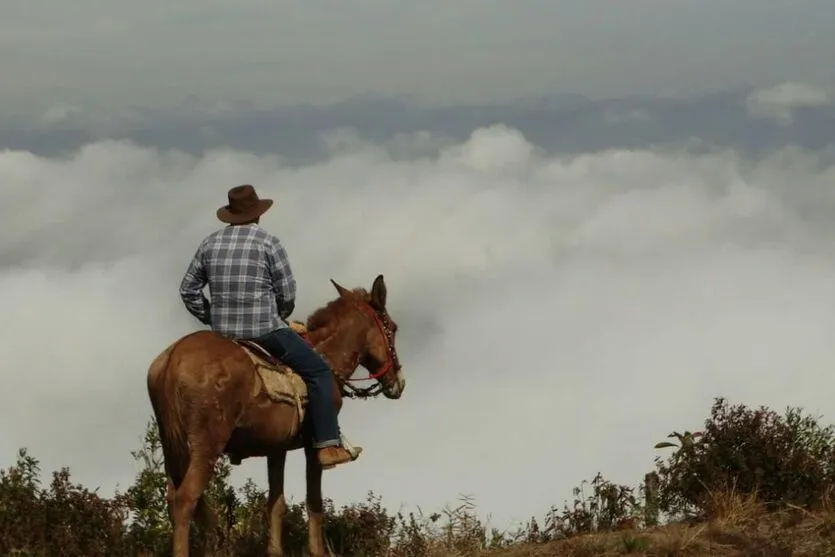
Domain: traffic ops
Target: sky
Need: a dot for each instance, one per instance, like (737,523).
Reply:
(98,54)
(573,277)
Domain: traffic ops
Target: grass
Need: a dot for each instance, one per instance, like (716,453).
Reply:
(733,525)
(739,526)
(788,460)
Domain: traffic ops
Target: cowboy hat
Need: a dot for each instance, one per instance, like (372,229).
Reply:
(244,205)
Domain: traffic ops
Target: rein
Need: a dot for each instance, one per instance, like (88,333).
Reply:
(350,391)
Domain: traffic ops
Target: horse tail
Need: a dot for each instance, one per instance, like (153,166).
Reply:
(163,392)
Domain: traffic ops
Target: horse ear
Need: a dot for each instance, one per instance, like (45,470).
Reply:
(378,293)
(343,292)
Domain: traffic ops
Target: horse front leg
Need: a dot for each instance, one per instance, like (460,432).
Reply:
(276,504)
(315,510)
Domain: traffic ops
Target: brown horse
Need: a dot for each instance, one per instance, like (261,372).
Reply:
(212,395)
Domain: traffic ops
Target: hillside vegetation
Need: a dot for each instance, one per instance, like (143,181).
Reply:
(753,482)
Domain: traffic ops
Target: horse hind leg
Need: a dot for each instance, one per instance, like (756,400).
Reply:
(276,504)
(188,498)
(315,507)
(205,517)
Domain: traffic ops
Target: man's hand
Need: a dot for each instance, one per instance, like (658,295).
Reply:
(207,312)
(285,309)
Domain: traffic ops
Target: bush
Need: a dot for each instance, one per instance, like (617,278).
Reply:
(63,520)
(69,520)
(360,529)
(784,459)
(607,508)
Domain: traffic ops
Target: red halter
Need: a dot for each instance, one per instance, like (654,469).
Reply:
(390,364)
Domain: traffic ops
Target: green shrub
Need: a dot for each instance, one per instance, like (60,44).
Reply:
(784,459)
(608,507)
(63,520)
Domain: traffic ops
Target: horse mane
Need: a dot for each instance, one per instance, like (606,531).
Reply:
(335,309)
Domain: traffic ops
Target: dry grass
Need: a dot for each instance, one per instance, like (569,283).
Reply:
(738,527)
(790,461)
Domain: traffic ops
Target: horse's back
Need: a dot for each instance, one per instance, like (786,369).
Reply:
(208,378)
(203,360)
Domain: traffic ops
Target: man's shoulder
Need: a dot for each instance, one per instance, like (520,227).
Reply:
(232,234)
(211,238)
(266,236)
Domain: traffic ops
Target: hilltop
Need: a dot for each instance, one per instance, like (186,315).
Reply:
(752,482)
(746,531)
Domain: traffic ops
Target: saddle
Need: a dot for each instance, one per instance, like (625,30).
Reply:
(277,380)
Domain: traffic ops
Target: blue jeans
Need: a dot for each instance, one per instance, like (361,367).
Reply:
(291,349)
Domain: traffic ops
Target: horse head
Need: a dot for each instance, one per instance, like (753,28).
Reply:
(369,334)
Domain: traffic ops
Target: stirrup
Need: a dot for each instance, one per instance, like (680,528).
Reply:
(352,450)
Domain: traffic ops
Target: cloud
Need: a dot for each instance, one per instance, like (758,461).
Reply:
(558,314)
(304,134)
(780,101)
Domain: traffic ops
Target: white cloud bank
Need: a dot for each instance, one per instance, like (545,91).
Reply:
(558,315)
(780,101)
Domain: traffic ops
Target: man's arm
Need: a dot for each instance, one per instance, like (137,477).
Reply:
(284,284)
(191,289)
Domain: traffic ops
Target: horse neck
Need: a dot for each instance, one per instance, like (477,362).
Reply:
(340,347)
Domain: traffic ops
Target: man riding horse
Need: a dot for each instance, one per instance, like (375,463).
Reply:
(253,292)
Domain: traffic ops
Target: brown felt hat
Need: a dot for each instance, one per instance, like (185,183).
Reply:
(244,205)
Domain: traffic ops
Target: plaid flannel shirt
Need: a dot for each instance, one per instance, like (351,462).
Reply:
(251,285)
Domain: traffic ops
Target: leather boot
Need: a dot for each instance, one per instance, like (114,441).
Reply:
(330,457)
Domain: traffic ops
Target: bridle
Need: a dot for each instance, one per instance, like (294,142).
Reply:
(385,326)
